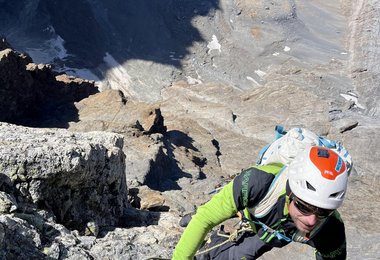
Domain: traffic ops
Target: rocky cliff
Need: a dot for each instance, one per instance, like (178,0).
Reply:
(182,118)
(56,181)
(29,90)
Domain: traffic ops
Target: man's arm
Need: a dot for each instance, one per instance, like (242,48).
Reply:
(220,208)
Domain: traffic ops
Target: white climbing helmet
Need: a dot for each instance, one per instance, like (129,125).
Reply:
(319,177)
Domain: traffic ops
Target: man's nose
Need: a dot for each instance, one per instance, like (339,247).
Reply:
(311,220)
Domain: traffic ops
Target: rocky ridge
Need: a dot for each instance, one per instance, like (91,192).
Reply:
(29,89)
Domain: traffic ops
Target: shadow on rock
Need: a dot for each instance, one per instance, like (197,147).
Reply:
(181,139)
(176,154)
(164,172)
(158,31)
(34,95)
(136,218)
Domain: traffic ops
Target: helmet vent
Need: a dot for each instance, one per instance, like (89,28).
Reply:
(337,195)
(310,187)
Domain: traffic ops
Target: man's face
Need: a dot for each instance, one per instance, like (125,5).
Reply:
(304,223)
(305,216)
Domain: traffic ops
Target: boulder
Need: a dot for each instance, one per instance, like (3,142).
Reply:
(150,199)
(18,239)
(110,110)
(8,203)
(79,177)
(229,124)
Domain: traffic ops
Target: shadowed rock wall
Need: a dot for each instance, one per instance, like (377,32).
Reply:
(32,94)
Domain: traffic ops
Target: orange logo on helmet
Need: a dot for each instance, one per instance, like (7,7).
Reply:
(328,162)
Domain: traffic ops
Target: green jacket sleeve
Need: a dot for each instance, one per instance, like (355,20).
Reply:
(220,208)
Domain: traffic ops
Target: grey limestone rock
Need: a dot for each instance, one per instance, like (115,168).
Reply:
(7,203)
(18,239)
(80,177)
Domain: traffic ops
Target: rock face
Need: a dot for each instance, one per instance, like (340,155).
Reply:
(80,178)
(141,124)
(32,94)
(16,85)
(365,55)
(57,186)
(219,76)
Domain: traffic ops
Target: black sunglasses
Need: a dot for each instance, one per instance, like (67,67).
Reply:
(308,209)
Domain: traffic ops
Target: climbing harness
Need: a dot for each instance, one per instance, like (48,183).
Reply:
(245,226)
(233,237)
(270,232)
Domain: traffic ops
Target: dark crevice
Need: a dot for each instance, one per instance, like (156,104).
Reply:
(234,117)
(215,143)
(123,98)
(349,127)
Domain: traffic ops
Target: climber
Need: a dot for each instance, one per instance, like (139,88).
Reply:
(277,205)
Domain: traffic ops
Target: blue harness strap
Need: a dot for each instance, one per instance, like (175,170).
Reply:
(279,132)
(269,231)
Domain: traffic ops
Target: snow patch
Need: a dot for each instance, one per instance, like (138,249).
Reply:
(253,80)
(193,81)
(57,45)
(350,96)
(50,29)
(286,48)
(117,76)
(260,73)
(214,45)
(49,51)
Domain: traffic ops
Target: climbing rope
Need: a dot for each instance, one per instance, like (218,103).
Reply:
(230,238)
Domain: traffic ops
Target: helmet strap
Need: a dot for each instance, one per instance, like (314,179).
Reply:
(289,192)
